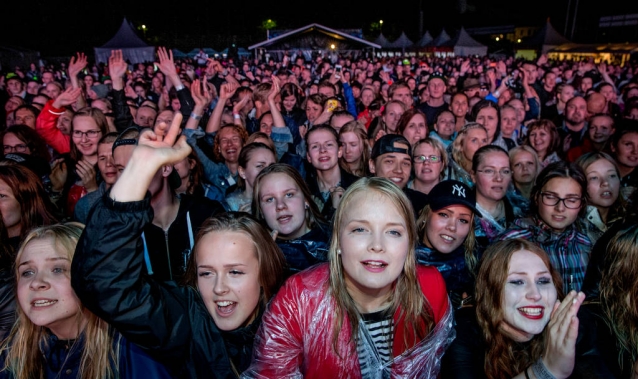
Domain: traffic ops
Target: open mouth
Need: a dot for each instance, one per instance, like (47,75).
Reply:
(225,307)
(533,313)
(43,303)
(284,219)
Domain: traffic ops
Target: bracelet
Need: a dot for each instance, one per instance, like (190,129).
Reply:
(195,116)
(526,373)
(541,371)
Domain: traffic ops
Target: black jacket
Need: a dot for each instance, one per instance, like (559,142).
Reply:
(171,322)
(169,250)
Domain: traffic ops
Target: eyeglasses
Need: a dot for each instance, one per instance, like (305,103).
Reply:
(225,141)
(17,148)
(491,172)
(430,158)
(89,133)
(552,200)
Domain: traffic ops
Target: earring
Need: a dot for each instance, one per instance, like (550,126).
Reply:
(339,251)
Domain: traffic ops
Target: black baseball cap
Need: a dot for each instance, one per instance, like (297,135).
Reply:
(386,144)
(453,192)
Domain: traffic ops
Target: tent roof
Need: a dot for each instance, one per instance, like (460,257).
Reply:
(425,40)
(462,38)
(382,41)
(125,38)
(547,36)
(314,28)
(441,39)
(402,42)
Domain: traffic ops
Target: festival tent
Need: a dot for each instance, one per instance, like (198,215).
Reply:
(546,39)
(311,39)
(134,49)
(425,40)
(382,41)
(463,45)
(403,42)
(441,39)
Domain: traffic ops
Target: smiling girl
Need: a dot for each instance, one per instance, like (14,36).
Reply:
(204,329)
(558,199)
(370,310)
(518,328)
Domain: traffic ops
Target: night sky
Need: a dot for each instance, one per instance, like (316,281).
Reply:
(61,28)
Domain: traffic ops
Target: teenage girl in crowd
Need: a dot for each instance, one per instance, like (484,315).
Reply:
(518,328)
(253,158)
(558,199)
(371,310)
(525,166)
(413,125)
(356,150)
(446,240)
(444,127)
(326,179)
(203,329)
(55,335)
(283,203)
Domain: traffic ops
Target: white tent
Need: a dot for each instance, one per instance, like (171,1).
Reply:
(425,40)
(134,49)
(464,45)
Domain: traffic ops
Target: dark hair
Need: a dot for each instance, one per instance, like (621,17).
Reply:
(407,116)
(35,207)
(291,89)
(550,127)
(245,155)
(485,103)
(31,138)
(560,169)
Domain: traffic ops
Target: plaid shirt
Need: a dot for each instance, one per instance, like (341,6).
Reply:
(568,251)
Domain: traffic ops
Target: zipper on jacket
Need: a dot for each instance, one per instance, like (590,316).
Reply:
(168,256)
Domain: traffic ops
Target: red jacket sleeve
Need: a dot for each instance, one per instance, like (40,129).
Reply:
(46,126)
(433,287)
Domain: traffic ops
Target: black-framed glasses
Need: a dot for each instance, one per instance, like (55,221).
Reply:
(427,158)
(551,200)
(491,172)
(89,133)
(21,148)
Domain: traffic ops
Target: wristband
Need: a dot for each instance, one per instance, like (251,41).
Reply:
(541,371)
(497,94)
(195,116)
(179,87)
(236,115)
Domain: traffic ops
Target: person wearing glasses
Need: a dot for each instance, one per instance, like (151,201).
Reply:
(558,199)
(429,160)
(492,175)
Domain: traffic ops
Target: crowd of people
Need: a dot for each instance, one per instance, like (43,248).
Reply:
(348,217)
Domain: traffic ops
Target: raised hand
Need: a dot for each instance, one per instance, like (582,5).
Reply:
(560,348)
(117,69)
(68,97)
(202,97)
(274,89)
(227,90)
(166,63)
(77,64)
(153,152)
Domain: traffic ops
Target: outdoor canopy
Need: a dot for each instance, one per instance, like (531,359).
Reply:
(134,49)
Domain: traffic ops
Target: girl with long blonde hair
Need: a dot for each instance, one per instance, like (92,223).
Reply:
(54,334)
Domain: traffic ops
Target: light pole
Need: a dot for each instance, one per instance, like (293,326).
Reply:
(381,26)
(144,30)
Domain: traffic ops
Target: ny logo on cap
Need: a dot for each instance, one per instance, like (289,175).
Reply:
(458,190)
